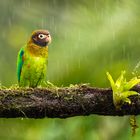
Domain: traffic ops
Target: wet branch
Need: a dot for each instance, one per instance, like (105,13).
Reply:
(63,102)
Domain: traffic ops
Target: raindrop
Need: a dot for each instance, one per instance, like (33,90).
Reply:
(9,22)
(27,3)
(135,70)
(79,63)
(42,23)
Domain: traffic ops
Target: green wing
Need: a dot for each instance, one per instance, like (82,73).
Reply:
(20,62)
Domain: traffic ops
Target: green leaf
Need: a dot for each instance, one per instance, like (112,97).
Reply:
(121,89)
(120,81)
(127,100)
(134,81)
(126,94)
(112,83)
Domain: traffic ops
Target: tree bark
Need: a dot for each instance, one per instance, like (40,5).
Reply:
(63,102)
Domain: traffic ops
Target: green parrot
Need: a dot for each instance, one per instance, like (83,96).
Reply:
(32,59)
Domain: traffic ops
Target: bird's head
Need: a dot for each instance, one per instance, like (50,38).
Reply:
(41,38)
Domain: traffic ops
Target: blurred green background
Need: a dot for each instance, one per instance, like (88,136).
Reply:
(90,37)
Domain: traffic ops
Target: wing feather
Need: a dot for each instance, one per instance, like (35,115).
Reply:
(20,62)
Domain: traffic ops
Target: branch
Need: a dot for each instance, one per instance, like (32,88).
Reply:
(63,102)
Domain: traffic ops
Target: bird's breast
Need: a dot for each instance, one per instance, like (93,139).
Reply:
(37,51)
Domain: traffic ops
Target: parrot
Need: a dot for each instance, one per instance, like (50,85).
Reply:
(32,59)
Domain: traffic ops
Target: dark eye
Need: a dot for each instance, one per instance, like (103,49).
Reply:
(41,36)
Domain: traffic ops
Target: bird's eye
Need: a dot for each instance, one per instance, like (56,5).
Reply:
(41,36)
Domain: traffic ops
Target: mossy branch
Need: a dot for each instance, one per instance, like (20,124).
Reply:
(63,102)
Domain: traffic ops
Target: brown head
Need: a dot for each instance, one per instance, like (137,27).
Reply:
(41,38)
(38,43)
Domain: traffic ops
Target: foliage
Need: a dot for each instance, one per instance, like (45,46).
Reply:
(121,89)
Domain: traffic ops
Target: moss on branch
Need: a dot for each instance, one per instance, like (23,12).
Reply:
(63,102)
